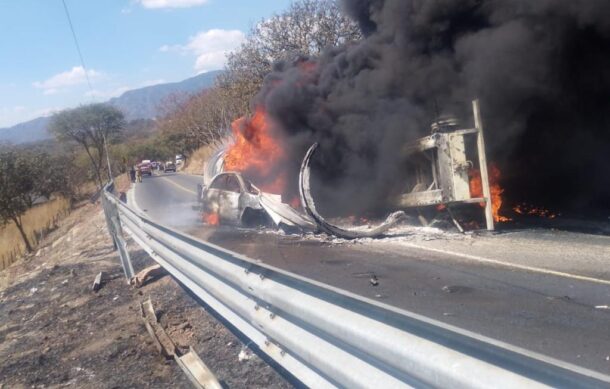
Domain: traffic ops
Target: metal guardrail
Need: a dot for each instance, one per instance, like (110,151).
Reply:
(327,337)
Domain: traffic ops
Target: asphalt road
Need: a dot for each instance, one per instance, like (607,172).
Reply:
(543,290)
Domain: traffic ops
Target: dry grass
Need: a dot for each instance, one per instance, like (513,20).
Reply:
(122,183)
(37,221)
(195,162)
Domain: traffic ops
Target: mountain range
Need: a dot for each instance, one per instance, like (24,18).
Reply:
(141,103)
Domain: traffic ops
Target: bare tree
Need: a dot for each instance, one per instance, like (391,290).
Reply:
(306,28)
(89,126)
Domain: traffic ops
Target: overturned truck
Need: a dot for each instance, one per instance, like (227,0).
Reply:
(439,167)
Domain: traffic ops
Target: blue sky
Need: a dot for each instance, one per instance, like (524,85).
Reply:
(126,44)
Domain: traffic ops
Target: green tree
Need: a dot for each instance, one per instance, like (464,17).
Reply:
(90,126)
(20,186)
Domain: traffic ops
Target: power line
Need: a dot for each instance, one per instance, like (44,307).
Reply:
(80,54)
(82,61)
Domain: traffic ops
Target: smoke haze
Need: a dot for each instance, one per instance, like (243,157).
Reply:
(540,68)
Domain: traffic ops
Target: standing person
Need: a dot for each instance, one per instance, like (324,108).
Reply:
(138,174)
(132,174)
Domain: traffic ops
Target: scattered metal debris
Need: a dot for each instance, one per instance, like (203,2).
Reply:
(244,354)
(283,214)
(451,289)
(193,367)
(374,281)
(99,279)
(310,208)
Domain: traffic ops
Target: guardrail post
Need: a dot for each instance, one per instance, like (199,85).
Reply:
(113,222)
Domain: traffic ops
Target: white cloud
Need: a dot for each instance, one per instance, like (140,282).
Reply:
(46,111)
(12,115)
(151,82)
(171,3)
(107,93)
(211,48)
(75,76)
(119,90)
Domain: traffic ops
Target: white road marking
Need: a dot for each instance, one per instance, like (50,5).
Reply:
(179,186)
(510,265)
(131,200)
(474,257)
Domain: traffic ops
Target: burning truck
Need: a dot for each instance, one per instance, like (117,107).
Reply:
(539,68)
(446,169)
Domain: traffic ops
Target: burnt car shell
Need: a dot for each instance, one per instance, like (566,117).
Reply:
(234,199)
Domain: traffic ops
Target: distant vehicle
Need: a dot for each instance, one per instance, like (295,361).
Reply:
(179,159)
(169,167)
(145,167)
(233,198)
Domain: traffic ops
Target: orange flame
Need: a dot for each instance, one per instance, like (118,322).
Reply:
(212,219)
(530,210)
(257,152)
(476,190)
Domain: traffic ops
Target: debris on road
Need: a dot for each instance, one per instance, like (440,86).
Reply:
(602,307)
(451,289)
(374,281)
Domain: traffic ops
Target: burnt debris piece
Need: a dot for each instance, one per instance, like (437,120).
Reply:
(310,207)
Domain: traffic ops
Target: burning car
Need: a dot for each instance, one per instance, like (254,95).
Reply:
(230,199)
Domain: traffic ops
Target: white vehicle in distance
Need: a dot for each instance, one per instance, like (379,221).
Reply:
(169,167)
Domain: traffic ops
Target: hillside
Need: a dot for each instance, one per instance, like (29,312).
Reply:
(30,131)
(141,103)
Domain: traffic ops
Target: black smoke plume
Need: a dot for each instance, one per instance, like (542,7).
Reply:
(541,69)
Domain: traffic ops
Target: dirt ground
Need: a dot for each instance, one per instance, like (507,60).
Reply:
(56,332)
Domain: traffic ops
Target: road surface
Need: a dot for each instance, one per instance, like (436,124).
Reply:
(543,290)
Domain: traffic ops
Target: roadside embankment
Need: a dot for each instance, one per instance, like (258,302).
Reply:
(194,164)
(37,222)
(55,331)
